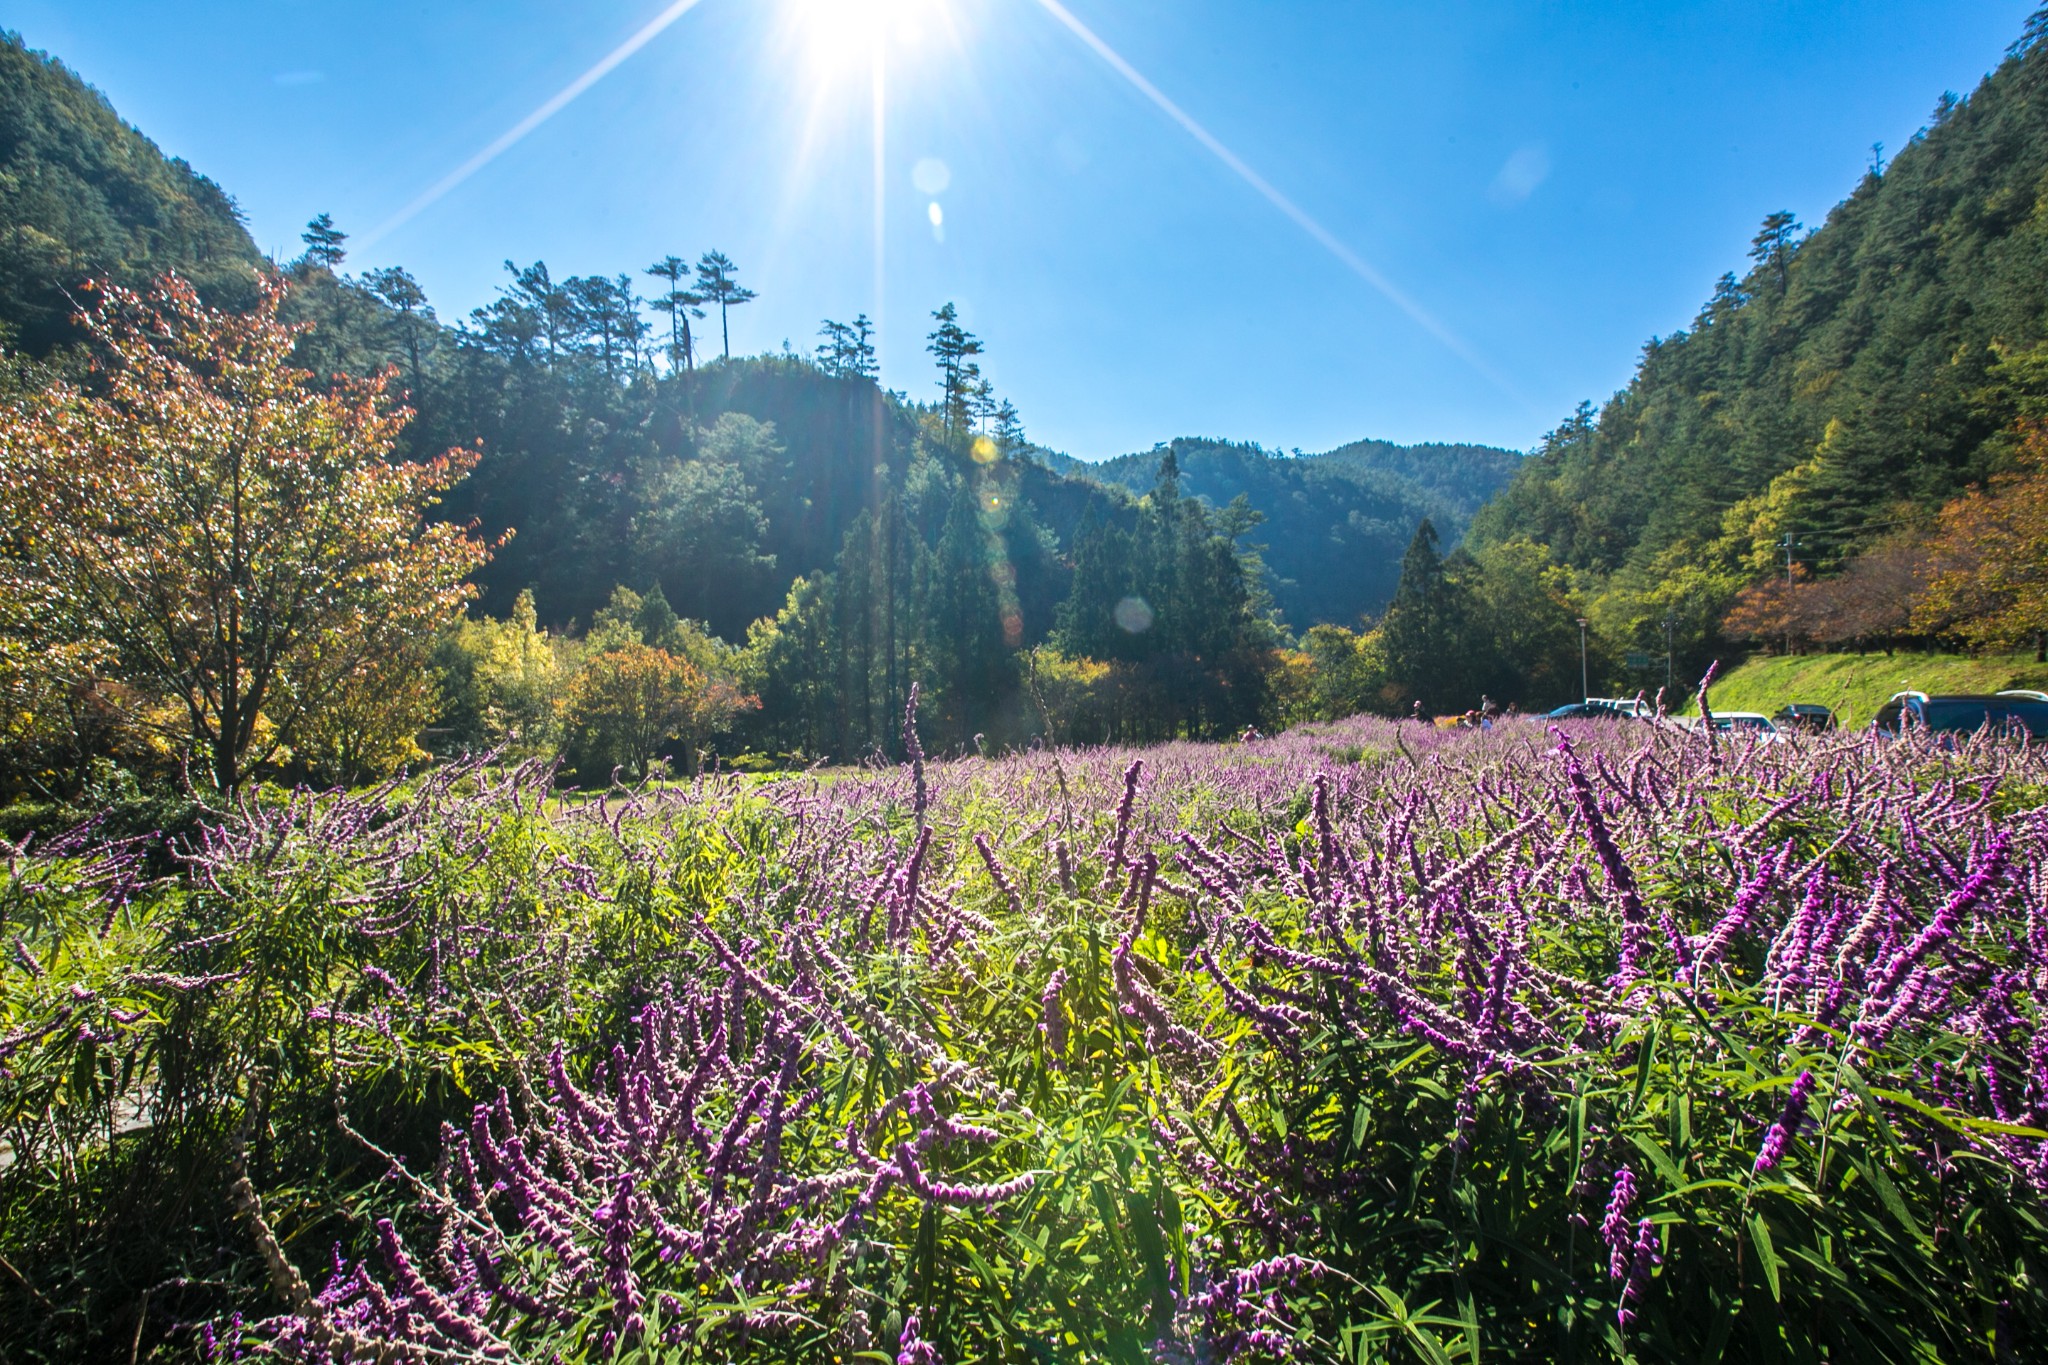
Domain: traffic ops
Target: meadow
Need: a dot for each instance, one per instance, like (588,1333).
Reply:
(1364,1042)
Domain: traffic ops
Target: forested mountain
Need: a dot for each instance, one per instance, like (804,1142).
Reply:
(1836,393)
(1335,524)
(85,196)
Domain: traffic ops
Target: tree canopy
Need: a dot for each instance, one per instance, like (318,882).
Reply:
(232,538)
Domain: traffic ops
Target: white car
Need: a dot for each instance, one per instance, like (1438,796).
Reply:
(1754,724)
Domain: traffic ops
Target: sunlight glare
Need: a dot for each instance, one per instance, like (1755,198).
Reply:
(839,35)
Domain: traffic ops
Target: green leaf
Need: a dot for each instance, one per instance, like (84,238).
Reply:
(1648,1146)
(1766,1254)
(1646,1057)
(1956,1119)
(1888,1195)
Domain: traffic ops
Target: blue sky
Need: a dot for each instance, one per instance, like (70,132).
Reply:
(1541,186)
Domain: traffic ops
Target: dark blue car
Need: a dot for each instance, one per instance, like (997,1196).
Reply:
(2021,714)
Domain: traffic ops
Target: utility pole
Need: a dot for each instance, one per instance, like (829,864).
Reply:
(1669,620)
(1789,542)
(1585,687)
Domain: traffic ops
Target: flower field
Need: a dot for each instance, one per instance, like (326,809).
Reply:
(1366,1042)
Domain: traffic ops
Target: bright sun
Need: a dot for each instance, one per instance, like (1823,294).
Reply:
(841,33)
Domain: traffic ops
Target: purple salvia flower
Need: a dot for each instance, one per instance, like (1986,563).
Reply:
(1780,1134)
(1614,1228)
(1949,918)
(452,1323)
(997,874)
(913,1349)
(616,1218)
(1052,1021)
(1634,917)
(1706,712)
(1136,1000)
(1123,813)
(914,751)
(1643,1261)
(1747,902)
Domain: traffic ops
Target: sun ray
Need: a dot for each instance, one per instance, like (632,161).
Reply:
(506,140)
(1328,240)
(878,67)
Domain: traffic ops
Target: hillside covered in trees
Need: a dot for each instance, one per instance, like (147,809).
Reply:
(1334,523)
(1823,407)
(85,196)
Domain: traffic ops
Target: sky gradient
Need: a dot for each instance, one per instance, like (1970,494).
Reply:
(1450,222)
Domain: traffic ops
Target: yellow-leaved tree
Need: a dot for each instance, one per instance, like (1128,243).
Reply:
(228,535)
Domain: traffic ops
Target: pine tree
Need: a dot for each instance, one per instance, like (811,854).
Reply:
(400,292)
(601,314)
(681,305)
(323,244)
(553,305)
(1433,648)
(715,284)
(954,347)
(971,668)
(1773,245)
(847,350)
(1087,621)
(1009,429)
(655,620)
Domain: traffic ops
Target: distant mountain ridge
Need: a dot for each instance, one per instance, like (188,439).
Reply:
(1336,522)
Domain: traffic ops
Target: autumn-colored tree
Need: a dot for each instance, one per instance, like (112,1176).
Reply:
(631,699)
(1990,581)
(235,536)
(1871,600)
(1073,696)
(1768,611)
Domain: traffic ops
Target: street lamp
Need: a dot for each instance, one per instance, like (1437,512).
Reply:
(1585,688)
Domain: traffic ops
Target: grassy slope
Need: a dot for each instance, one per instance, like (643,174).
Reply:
(1855,685)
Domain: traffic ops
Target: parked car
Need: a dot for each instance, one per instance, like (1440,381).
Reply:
(1804,715)
(1601,708)
(2016,712)
(1754,724)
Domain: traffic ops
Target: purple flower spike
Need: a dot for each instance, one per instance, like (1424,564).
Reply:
(1780,1134)
(913,1349)
(1643,1261)
(1614,1228)
(1053,1017)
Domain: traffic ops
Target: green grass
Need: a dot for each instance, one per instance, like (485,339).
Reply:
(1855,685)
